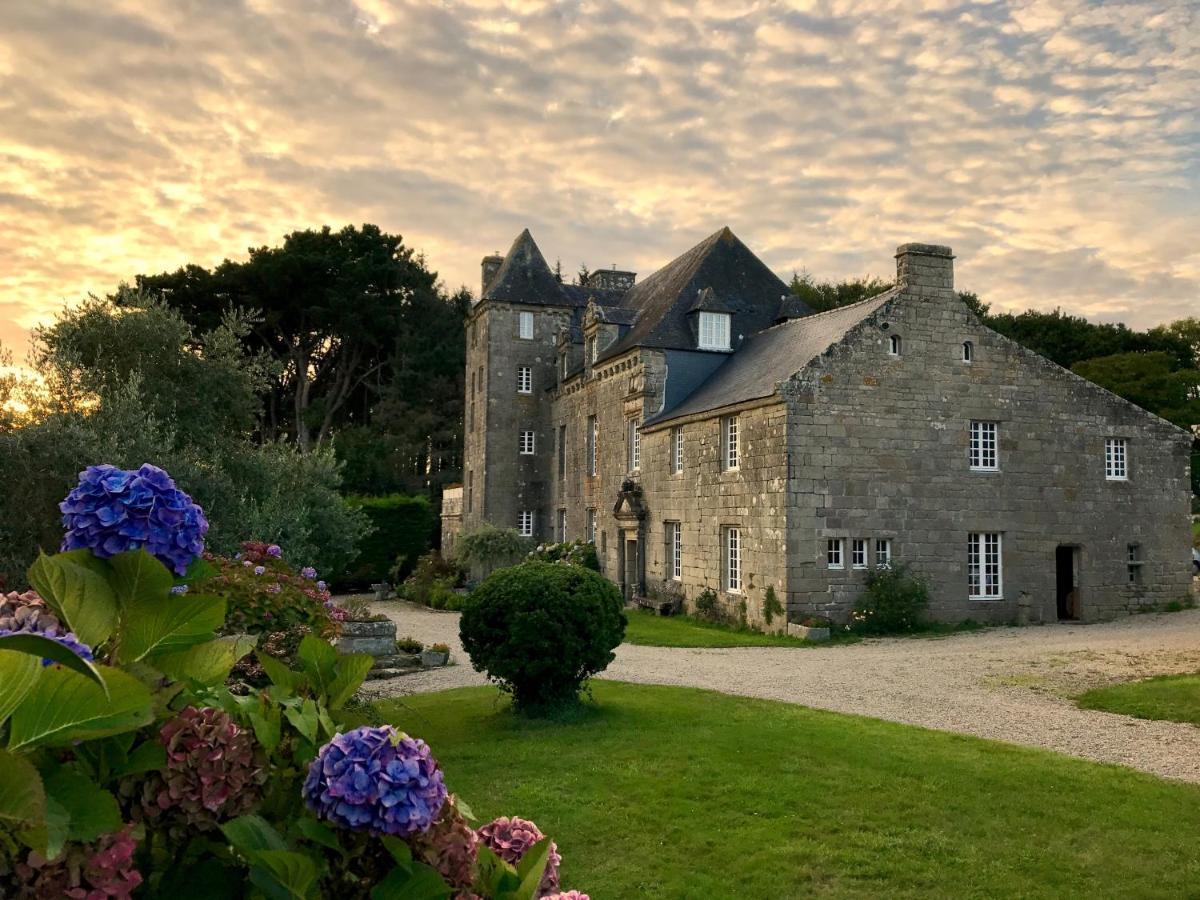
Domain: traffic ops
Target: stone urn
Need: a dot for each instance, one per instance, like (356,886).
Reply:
(431,659)
(809,632)
(378,638)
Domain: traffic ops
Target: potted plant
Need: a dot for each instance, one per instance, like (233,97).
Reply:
(408,651)
(436,655)
(364,631)
(811,628)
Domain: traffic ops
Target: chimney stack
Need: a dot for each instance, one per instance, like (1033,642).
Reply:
(925,268)
(490,266)
(613,279)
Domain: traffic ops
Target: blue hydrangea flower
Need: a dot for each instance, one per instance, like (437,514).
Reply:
(378,780)
(275,551)
(308,572)
(68,640)
(112,510)
(321,586)
(259,570)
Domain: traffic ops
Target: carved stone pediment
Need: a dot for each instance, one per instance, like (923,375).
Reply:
(629,506)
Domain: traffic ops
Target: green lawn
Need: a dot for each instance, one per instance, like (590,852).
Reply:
(684,631)
(1172,697)
(673,792)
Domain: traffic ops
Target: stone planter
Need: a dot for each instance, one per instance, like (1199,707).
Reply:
(808,632)
(375,638)
(431,659)
(382,591)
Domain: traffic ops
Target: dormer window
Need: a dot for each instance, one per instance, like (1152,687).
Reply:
(714,331)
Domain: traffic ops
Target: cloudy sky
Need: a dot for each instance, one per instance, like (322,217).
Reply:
(1055,144)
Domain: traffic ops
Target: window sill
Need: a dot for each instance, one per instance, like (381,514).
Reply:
(986,599)
(985,471)
(859,568)
(836,568)
(1115,478)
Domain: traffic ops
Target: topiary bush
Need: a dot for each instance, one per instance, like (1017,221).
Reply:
(402,529)
(540,630)
(894,602)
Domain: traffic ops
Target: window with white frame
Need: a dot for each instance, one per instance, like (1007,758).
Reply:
(593,433)
(833,554)
(714,331)
(883,552)
(983,447)
(562,452)
(1116,459)
(674,551)
(729,442)
(676,450)
(590,528)
(968,351)
(733,560)
(593,350)
(858,553)
(985,578)
(562,524)
(525,325)
(525,523)
(635,445)
(894,345)
(526,443)
(524,379)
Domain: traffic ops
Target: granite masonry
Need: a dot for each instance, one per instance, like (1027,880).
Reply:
(708,431)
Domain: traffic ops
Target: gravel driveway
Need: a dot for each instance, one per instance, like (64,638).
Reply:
(1008,684)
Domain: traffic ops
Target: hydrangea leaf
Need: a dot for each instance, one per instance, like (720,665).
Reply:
(421,882)
(322,834)
(167,623)
(251,834)
(284,874)
(150,756)
(41,647)
(18,672)
(49,836)
(79,595)
(352,669)
(304,719)
(281,676)
(531,869)
(139,577)
(22,797)
(91,810)
(318,659)
(208,663)
(63,707)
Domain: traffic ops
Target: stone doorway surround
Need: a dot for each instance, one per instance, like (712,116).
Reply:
(630,513)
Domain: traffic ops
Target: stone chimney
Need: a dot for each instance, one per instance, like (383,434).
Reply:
(611,279)
(925,268)
(490,266)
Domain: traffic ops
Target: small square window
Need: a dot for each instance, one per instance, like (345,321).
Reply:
(1133,563)
(525,325)
(524,379)
(525,523)
(833,553)
(968,351)
(858,553)
(894,345)
(883,553)
(1116,467)
(526,443)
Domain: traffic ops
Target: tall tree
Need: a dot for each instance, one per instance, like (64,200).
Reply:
(1151,380)
(825,295)
(328,306)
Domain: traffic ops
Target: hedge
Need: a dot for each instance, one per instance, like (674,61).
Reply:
(402,529)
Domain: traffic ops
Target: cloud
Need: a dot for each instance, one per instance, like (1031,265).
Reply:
(1053,144)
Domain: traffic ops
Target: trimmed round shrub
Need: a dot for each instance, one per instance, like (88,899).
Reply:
(540,630)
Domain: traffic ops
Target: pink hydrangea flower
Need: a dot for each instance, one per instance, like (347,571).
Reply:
(511,838)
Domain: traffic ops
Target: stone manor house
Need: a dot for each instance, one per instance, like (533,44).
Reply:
(705,429)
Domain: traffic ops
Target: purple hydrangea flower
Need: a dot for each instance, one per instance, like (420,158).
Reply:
(112,510)
(258,570)
(376,779)
(321,586)
(309,572)
(273,550)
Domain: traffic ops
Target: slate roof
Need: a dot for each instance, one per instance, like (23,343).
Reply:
(773,356)
(738,279)
(524,277)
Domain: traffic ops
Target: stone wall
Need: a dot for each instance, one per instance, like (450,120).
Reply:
(498,481)
(452,510)
(705,499)
(879,449)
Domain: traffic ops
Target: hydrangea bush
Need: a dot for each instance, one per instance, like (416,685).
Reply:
(154,777)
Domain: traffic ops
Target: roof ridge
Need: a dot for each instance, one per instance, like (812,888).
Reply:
(882,295)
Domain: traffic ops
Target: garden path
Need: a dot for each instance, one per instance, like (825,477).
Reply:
(1008,684)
